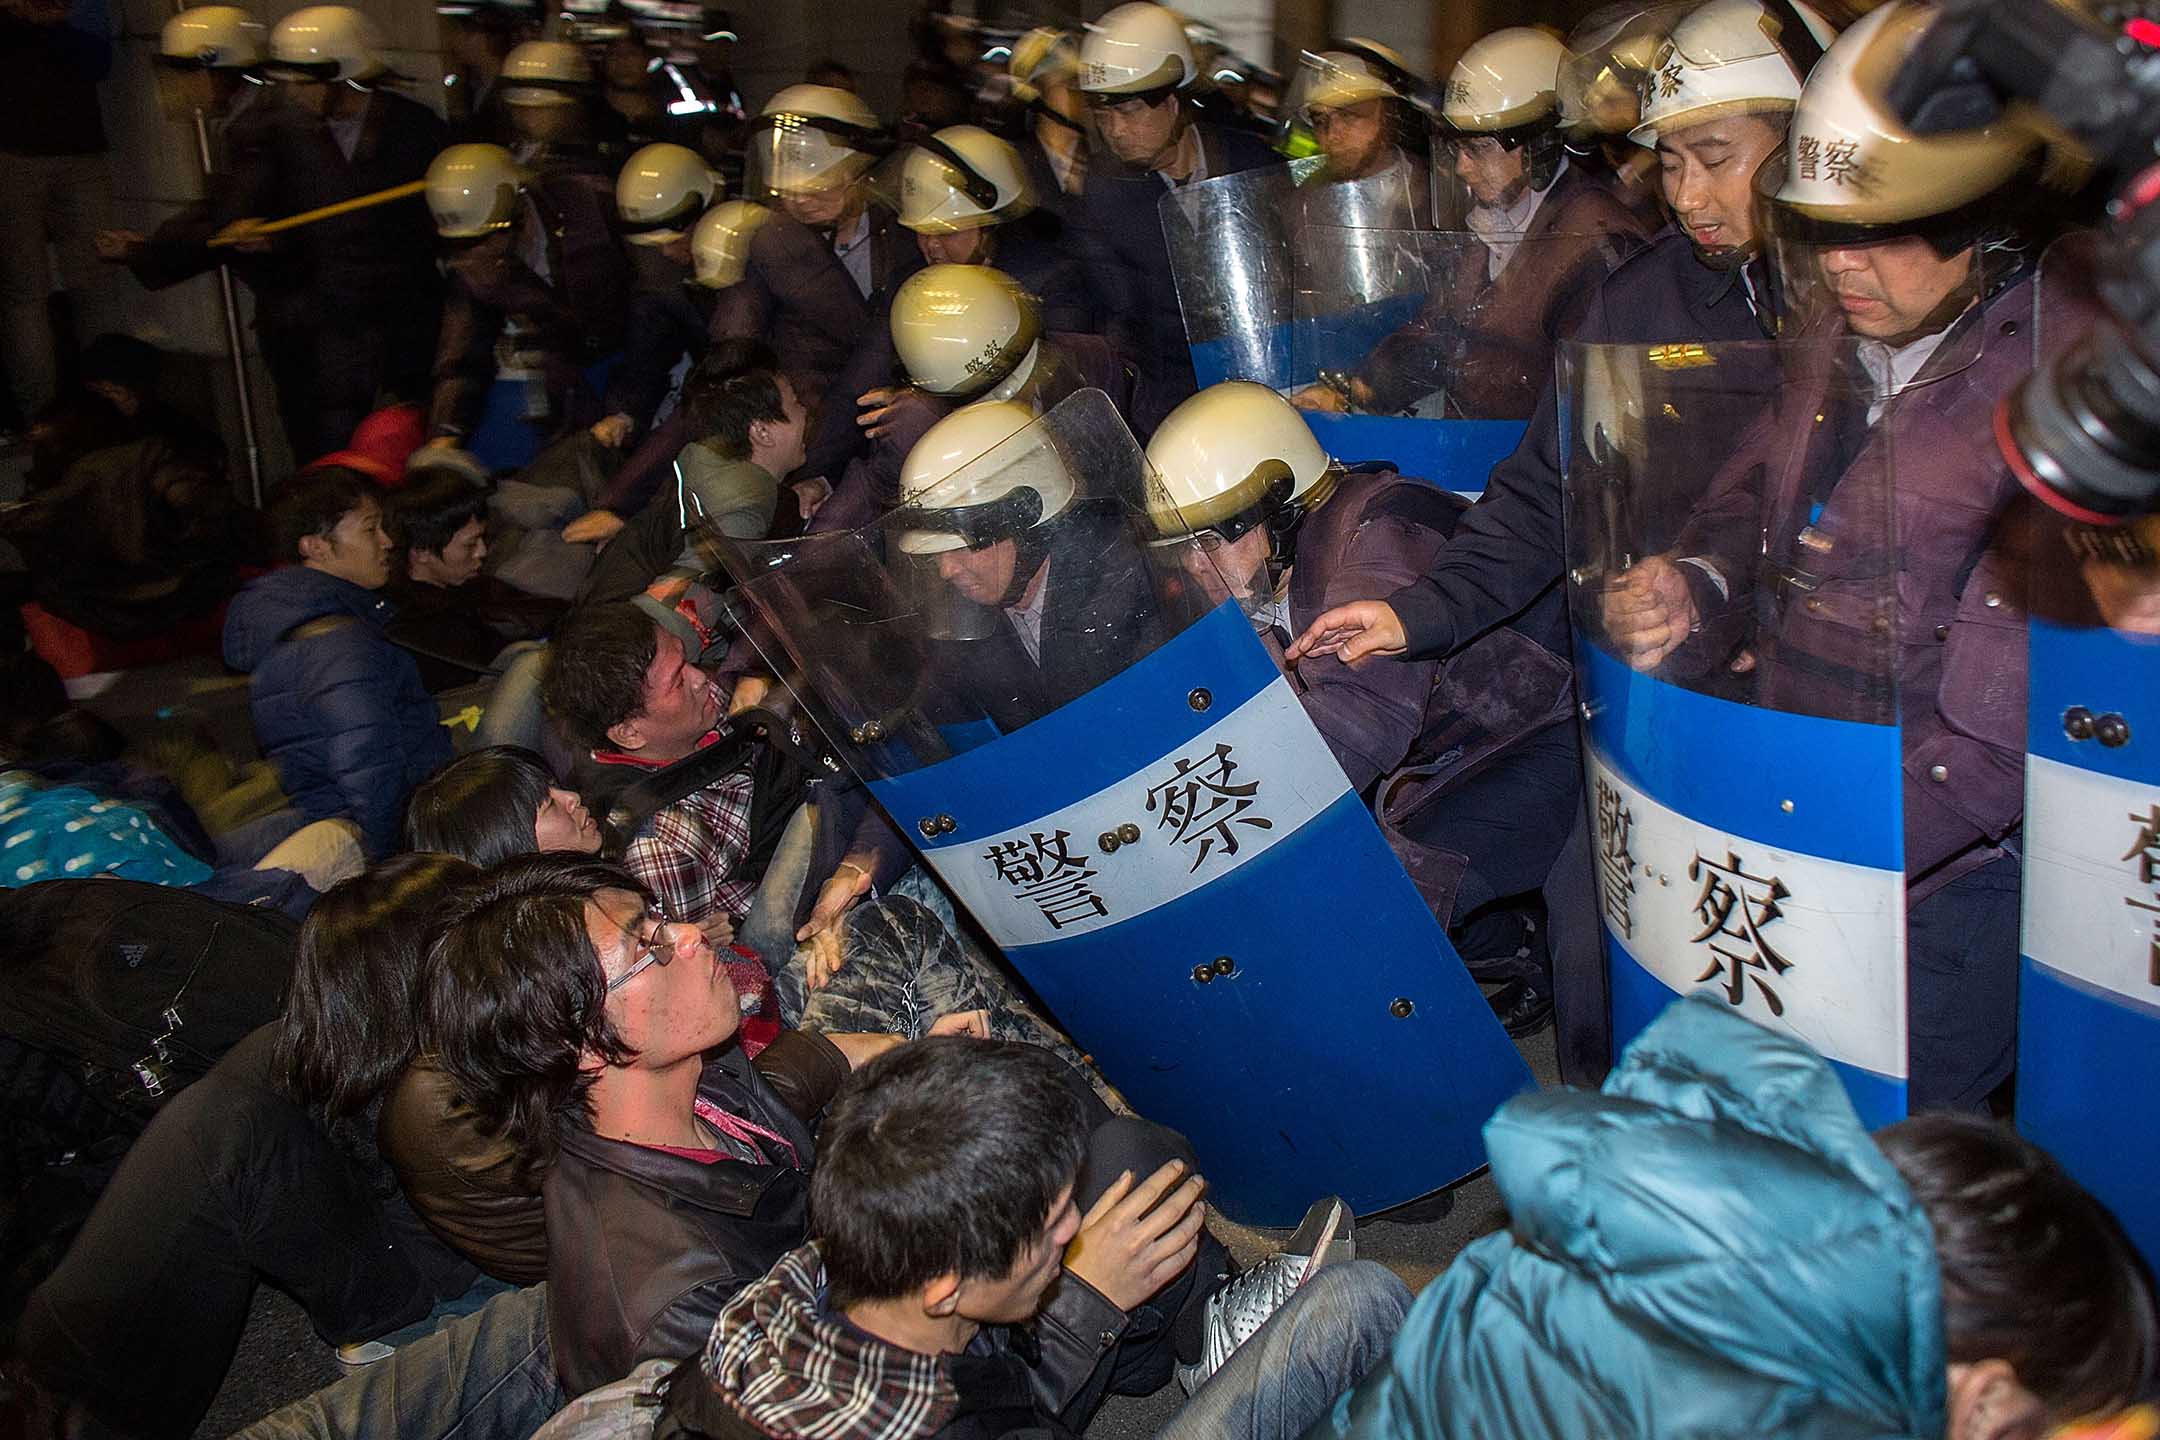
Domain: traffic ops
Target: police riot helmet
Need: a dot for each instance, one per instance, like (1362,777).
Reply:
(982,474)
(1135,49)
(962,178)
(325,43)
(1854,170)
(814,137)
(1730,57)
(1506,86)
(1044,54)
(211,37)
(661,192)
(546,72)
(472,190)
(1234,456)
(720,242)
(965,331)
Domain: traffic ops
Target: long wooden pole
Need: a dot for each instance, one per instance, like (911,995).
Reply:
(241,231)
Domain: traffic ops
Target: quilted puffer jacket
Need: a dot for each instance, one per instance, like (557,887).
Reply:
(337,708)
(1710,1247)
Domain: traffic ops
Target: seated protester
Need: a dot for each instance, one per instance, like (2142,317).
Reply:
(455,621)
(1485,339)
(338,709)
(940,1294)
(674,1172)
(1471,764)
(263,1170)
(744,433)
(965,194)
(532,254)
(1941,1279)
(622,687)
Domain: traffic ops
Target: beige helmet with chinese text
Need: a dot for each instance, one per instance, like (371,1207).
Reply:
(1729,57)
(1134,49)
(965,330)
(1505,81)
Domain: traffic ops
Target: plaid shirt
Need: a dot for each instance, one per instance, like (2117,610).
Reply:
(690,853)
(779,1361)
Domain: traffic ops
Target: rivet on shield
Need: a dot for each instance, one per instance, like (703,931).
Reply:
(2112,731)
(946,824)
(1785,805)
(1402,1008)
(2078,723)
(1128,833)
(1224,966)
(1107,842)
(1199,698)
(1202,974)
(928,826)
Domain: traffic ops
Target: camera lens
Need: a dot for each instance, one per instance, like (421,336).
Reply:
(2084,434)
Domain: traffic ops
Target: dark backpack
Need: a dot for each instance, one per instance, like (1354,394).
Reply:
(114,996)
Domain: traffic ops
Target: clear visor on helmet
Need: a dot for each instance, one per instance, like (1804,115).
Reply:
(1608,60)
(806,154)
(1912,286)
(935,190)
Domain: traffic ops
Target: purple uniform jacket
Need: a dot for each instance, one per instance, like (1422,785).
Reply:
(1418,727)
(1489,343)
(1955,553)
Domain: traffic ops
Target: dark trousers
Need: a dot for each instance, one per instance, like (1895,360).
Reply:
(331,376)
(1962,960)
(231,1184)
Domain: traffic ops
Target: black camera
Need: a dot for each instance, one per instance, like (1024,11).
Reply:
(2083,433)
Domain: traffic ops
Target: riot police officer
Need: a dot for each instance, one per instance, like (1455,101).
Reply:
(533,259)
(813,147)
(1044,66)
(1906,244)
(1136,69)
(1474,779)
(1700,279)
(1358,98)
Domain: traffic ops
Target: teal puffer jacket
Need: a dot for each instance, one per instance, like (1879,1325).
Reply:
(1711,1247)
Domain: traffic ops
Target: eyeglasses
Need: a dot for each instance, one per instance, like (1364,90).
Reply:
(650,948)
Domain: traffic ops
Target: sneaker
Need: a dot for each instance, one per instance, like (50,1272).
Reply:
(1235,1313)
(355,1353)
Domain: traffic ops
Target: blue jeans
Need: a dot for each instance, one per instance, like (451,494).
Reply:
(489,1375)
(1337,1326)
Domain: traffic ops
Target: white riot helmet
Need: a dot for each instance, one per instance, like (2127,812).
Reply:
(1232,457)
(1134,49)
(546,72)
(965,331)
(327,43)
(1730,57)
(1852,166)
(211,37)
(720,242)
(814,137)
(472,190)
(986,472)
(1334,79)
(1505,82)
(1601,78)
(962,178)
(661,192)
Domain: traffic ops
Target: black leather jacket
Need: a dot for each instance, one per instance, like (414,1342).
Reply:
(645,1247)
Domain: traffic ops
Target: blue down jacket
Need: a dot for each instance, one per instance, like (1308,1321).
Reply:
(1712,1247)
(341,712)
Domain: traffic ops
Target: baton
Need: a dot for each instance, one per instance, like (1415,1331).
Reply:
(242,230)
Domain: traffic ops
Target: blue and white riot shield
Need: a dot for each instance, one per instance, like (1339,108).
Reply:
(2089,994)
(1427,348)
(1112,776)
(1733,583)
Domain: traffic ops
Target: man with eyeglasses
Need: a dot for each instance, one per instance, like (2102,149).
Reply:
(1135,69)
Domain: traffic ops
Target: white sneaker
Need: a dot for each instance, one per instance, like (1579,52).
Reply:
(1236,1312)
(356,1353)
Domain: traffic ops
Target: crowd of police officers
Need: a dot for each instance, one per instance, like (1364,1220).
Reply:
(1682,177)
